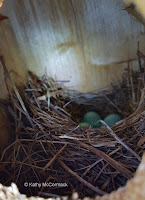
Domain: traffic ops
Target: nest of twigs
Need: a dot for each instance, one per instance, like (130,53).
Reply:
(50,155)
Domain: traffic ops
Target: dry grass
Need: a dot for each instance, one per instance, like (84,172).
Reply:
(49,146)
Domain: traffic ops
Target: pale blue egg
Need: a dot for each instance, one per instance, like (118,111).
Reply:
(84,124)
(111,119)
(91,118)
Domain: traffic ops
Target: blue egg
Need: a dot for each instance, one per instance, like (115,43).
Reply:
(91,118)
(84,124)
(111,119)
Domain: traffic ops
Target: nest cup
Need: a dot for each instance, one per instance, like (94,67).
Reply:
(48,146)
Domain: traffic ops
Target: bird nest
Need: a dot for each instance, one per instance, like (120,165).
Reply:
(50,155)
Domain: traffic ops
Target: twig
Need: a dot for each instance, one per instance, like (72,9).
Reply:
(54,158)
(16,91)
(89,185)
(139,60)
(128,174)
(120,141)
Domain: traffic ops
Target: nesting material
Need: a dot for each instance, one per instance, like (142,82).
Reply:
(133,190)
(49,147)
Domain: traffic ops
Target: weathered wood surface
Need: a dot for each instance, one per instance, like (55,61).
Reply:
(77,40)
